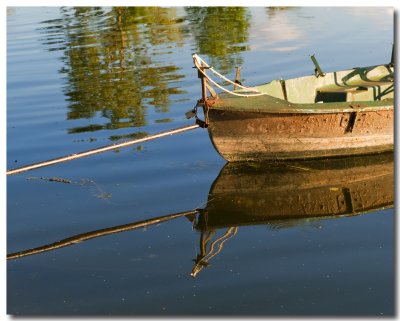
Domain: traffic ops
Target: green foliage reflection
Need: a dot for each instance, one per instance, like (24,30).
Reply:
(114,59)
(221,33)
(109,65)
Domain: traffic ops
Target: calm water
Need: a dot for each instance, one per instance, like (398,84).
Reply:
(80,78)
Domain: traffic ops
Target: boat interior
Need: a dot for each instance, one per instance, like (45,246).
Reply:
(358,84)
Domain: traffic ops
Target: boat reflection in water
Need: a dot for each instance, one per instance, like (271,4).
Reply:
(282,194)
(286,194)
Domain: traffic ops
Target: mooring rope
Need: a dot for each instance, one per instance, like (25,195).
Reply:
(227,90)
(99,150)
(197,59)
(204,64)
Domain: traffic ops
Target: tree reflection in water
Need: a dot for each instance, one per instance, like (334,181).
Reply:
(109,65)
(114,59)
(221,33)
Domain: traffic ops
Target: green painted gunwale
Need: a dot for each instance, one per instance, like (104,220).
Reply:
(269,104)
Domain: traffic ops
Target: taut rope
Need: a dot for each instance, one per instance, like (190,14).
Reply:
(99,150)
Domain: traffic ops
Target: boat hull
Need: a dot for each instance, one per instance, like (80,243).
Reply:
(258,136)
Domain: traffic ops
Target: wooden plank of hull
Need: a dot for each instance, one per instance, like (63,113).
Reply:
(260,193)
(255,136)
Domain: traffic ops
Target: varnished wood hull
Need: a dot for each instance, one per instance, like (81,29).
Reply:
(259,136)
(289,191)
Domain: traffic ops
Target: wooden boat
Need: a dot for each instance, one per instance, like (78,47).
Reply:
(331,114)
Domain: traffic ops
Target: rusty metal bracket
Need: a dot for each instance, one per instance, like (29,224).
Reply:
(211,90)
(284,91)
(351,122)
(318,71)
(392,58)
(237,78)
(193,112)
(201,123)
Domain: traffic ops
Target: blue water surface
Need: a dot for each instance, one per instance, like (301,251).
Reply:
(83,77)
